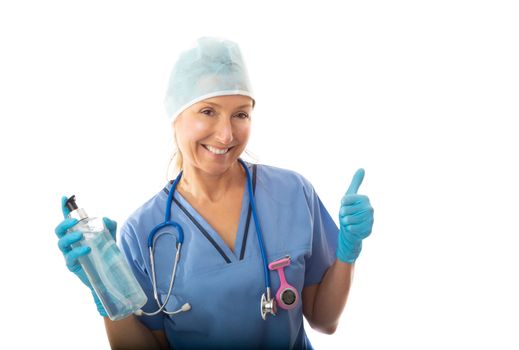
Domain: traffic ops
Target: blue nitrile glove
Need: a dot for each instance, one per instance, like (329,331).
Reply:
(72,254)
(356,221)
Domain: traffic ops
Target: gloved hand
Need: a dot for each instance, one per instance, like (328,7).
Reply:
(73,254)
(356,221)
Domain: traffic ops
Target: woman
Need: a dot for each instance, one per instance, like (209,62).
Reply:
(236,218)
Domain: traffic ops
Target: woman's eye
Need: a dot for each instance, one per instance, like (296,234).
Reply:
(207,111)
(241,115)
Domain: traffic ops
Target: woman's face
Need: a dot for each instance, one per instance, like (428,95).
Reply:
(212,133)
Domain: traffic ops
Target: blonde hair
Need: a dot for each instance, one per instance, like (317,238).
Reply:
(176,159)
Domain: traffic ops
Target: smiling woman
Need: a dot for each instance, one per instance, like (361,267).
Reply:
(213,133)
(235,221)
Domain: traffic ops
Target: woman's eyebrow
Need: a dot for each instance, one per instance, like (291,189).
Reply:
(211,103)
(244,106)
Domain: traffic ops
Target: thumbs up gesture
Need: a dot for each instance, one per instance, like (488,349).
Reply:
(356,221)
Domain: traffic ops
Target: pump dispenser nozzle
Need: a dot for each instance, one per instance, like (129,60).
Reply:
(75,213)
(71,203)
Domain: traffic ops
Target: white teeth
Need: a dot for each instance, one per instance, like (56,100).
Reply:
(216,150)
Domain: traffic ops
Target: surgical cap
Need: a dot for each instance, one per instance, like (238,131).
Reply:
(215,67)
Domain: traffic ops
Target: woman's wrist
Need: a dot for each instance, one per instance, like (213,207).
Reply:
(348,251)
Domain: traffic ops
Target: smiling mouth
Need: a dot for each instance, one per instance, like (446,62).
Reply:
(218,151)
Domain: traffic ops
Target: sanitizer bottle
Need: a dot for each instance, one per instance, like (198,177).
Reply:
(106,267)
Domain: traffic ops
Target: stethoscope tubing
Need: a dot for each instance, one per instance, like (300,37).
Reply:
(257,225)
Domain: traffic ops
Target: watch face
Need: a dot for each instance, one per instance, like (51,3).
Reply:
(288,297)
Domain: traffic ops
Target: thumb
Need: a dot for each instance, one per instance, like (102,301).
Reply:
(356,182)
(64,208)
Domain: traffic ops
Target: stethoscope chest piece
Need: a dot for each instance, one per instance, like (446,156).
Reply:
(268,305)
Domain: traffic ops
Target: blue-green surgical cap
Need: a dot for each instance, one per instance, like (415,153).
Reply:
(215,67)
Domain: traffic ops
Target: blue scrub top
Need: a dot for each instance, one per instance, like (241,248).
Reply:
(223,286)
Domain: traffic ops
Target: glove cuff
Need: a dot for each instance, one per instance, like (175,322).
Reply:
(100,307)
(348,251)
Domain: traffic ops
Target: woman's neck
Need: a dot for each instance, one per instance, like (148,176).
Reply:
(201,186)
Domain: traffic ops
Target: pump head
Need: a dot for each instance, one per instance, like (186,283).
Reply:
(70,204)
(74,212)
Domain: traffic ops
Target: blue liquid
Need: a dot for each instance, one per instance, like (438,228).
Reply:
(108,271)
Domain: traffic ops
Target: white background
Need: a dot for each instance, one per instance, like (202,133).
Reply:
(422,94)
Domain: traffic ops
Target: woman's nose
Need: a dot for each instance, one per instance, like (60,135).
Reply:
(224,132)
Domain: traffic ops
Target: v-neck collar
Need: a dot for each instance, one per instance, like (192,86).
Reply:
(210,233)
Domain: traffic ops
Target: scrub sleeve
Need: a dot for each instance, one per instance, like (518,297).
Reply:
(325,235)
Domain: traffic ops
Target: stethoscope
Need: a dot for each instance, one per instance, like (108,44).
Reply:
(268,304)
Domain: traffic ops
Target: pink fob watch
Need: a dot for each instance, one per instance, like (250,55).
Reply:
(287,296)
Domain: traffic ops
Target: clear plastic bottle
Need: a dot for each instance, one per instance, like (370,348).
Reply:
(106,267)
